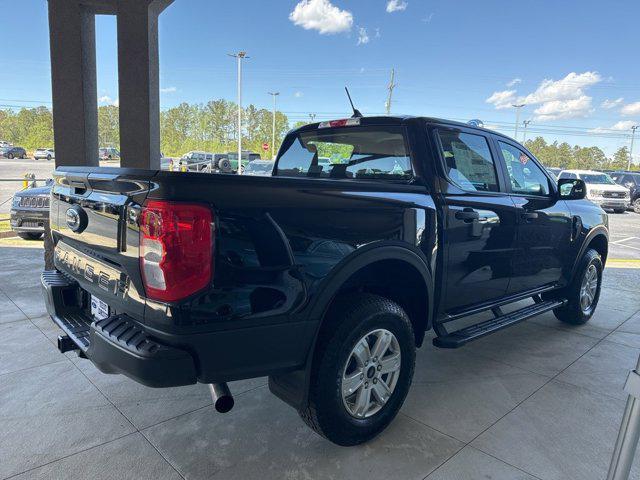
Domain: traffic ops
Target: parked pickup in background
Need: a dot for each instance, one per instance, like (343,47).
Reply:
(326,275)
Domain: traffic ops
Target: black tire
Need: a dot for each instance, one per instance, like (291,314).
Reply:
(350,319)
(48,158)
(10,156)
(29,235)
(572,312)
(636,205)
(23,156)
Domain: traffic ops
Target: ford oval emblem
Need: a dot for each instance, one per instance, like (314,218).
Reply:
(76,219)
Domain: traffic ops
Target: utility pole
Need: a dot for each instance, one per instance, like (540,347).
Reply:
(273,126)
(526,124)
(633,134)
(240,56)
(517,107)
(390,88)
(312,116)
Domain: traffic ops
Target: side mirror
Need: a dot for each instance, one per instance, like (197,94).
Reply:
(572,189)
(628,184)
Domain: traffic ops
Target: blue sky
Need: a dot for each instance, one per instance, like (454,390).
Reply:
(574,63)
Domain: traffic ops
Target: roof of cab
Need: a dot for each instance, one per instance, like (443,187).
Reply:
(400,119)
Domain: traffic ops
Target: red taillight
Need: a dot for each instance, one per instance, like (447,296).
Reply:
(176,249)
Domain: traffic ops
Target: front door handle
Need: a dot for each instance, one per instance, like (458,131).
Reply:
(529,216)
(467,215)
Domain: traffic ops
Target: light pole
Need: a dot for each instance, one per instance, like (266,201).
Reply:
(517,107)
(526,124)
(273,126)
(312,116)
(633,134)
(240,56)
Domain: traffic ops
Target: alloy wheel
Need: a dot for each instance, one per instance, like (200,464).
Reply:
(371,373)
(588,288)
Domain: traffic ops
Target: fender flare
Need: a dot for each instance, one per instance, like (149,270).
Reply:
(595,232)
(293,387)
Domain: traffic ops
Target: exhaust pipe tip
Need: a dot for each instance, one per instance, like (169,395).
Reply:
(221,396)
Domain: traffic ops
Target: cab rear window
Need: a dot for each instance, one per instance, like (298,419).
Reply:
(370,152)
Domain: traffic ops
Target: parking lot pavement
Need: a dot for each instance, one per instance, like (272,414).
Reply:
(541,400)
(624,241)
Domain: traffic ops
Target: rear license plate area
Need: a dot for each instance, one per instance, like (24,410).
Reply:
(99,308)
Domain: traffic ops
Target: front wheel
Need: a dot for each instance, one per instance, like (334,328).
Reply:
(362,369)
(636,205)
(583,292)
(10,156)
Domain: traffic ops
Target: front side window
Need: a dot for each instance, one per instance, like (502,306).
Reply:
(525,175)
(368,152)
(468,161)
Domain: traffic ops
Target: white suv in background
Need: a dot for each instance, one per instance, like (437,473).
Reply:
(601,189)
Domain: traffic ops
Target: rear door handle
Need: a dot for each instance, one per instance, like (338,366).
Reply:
(529,216)
(467,215)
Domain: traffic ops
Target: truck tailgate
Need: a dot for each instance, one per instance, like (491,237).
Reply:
(94,225)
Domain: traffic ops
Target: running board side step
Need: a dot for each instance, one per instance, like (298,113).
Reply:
(465,335)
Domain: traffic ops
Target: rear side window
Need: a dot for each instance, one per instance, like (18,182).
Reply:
(468,161)
(370,152)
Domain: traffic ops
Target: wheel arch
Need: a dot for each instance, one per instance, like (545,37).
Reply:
(360,272)
(598,239)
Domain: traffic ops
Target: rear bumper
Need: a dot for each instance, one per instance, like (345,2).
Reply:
(117,344)
(120,344)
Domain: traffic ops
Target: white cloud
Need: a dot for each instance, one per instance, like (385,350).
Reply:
(611,103)
(564,98)
(363,36)
(168,90)
(107,100)
(396,6)
(321,15)
(503,99)
(513,82)
(621,126)
(631,109)
(572,108)
(298,94)
(569,88)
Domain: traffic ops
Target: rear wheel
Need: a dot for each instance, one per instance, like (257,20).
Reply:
(29,235)
(584,291)
(10,156)
(362,369)
(636,205)
(48,157)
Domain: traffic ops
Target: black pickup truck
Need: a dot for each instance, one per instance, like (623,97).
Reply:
(326,275)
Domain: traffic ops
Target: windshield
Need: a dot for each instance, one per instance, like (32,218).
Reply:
(599,178)
(377,152)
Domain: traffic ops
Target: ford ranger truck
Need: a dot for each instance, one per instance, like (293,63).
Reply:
(326,275)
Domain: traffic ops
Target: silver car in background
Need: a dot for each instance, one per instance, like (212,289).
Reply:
(44,154)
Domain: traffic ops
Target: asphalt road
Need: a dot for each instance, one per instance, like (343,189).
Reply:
(624,227)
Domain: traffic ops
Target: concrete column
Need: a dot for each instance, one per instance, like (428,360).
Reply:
(73,82)
(138,79)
